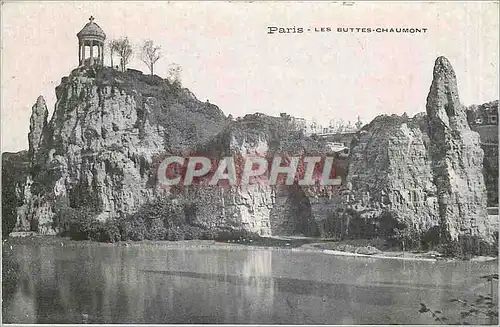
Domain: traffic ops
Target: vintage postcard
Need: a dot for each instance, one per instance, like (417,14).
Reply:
(192,162)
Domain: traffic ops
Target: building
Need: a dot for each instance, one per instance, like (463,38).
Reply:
(92,37)
(485,114)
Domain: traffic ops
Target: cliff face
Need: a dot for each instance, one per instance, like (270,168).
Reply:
(38,121)
(390,180)
(99,147)
(261,208)
(422,173)
(109,131)
(457,159)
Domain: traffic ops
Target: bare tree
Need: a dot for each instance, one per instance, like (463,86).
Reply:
(150,54)
(174,74)
(359,123)
(124,50)
(349,126)
(113,47)
(340,125)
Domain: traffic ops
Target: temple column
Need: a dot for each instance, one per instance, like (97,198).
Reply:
(83,53)
(91,53)
(102,54)
(98,53)
(79,53)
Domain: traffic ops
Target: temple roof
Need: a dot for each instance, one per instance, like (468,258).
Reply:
(91,30)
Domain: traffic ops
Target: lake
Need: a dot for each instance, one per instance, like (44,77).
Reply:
(147,283)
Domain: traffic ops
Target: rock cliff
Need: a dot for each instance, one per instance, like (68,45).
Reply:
(38,121)
(390,181)
(423,173)
(457,159)
(109,131)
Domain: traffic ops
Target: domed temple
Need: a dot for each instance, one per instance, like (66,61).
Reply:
(91,36)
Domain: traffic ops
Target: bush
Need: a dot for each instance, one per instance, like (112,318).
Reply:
(156,221)
(156,233)
(210,235)
(234,235)
(468,246)
(431,238)
(110,232)
(132,228)
(408,237)
(192,232)
(174,234)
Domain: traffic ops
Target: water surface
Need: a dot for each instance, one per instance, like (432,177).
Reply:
(96,283)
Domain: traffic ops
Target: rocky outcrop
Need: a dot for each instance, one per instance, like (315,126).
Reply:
(109,131)
(457,159)
(261,208)
(99,148)
(422,174)
(38,121)
(390,181)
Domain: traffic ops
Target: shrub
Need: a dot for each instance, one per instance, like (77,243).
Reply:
(110,232)
(233,235)
(77,224)
(156,233)
(407,237)
(431,238)
(192,232)
(210,235)
(132,228)
(468,246)
(174,234)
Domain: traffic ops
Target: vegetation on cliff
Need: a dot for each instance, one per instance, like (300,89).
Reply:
(157,221)
(14,169)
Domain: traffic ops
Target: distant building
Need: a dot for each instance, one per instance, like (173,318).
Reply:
(485,114)
(310,127)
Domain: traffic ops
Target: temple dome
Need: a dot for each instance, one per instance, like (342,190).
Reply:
(91,31)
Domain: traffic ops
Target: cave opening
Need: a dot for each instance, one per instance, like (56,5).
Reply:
(292,215)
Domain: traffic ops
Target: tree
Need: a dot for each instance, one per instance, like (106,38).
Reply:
(340,125)
(359,123)
(349,126)
(174,74)
(150,54)
(124,50)
(113,47)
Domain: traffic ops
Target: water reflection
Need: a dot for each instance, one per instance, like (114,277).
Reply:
(150,284)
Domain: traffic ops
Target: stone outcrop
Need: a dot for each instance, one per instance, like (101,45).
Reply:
(38,121)
(390,181)
(423,173)
(99,148)
(109,131)
(261,208)
(457,159)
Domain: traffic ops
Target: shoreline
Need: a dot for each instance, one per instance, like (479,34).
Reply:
(429,256)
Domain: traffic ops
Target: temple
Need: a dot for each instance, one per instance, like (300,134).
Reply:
(91,36)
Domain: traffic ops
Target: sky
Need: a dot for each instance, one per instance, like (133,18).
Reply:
(228,57)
